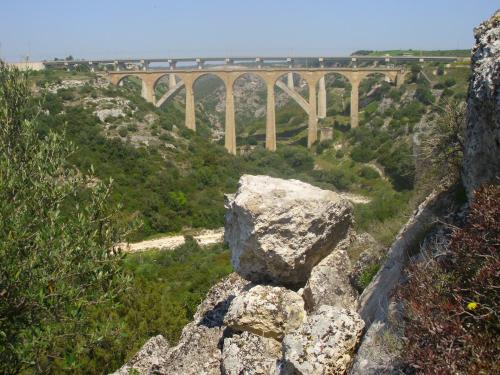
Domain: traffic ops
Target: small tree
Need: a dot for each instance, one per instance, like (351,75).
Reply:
(57,242)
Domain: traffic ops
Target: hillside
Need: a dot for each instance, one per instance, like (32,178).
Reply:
(173,180)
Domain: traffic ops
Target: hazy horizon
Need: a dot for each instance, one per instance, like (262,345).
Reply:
(226,28)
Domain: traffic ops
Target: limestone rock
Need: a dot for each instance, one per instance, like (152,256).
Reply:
(278,230)
(482,142)
(149,359)
(329,283)
(324,344)
(249,354)
(198,351)
(267,311)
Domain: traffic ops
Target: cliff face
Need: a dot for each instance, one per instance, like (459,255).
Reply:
(482,143)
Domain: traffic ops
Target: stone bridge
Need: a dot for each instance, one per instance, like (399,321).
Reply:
(315,105)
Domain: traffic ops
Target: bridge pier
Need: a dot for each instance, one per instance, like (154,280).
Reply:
(400,79)
(312,127)
(171,81)
(230,126)
(290,83)
(148,92)
(322,98)
(354,103)
(270,118)
(190,109)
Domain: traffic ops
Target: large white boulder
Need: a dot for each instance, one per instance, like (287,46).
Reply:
(267,311)
(278,230)
(324,344)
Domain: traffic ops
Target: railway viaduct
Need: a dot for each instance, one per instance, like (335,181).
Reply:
(315,105)
(270,69)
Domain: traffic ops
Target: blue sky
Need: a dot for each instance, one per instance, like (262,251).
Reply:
(153,28)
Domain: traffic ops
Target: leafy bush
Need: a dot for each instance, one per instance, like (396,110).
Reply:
(362,154)
(368,173)
(424,95)
(57,238)
(367,276)
(452,300)
(122,132)
(449,82)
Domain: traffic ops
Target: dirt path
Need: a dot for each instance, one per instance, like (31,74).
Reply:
(204,238)
(354,198)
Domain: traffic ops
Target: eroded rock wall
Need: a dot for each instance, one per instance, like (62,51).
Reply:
(482,143)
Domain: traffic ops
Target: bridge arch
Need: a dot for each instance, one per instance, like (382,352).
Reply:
(249,89)
(334,92)
(165,86)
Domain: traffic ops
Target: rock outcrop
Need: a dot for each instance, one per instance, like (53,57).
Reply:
(482,141)
(282,234)
(324,344)
(278,230)
(267,311)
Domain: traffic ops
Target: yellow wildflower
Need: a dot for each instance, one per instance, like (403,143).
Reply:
(471,306)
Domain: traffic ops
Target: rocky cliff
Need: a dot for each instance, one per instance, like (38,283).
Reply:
(482,143)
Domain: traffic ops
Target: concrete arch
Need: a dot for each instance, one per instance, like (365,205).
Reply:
(389,75)
(289,88)
(322,86)
(309,106)
(120,78)
(146,89)
(247,84)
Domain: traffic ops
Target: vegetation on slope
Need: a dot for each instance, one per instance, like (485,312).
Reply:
(452,303)
(172,179)
(166,289)
(57,232)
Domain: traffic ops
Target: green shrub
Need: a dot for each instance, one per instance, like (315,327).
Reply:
(132,127)
(449,82)
(368,173)
(424,95)
(362,154)
(367,276)
(122,132)
(57,236)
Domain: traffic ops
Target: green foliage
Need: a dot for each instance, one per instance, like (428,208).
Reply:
(424,95)
(57,234)
(367,276)
(167,287)
(368,173)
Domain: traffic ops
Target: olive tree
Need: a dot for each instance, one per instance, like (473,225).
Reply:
(58,254)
